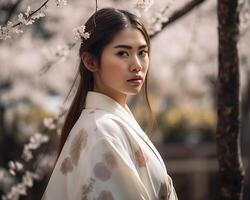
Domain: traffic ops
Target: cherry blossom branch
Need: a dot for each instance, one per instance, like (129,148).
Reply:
(179,14)
(26,18)
(158,19)
(32,13)
(59,53)
(35,142)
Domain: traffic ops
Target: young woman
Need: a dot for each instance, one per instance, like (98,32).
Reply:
(104,154)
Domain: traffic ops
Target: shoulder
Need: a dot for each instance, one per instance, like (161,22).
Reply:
(101,119)
(105,125)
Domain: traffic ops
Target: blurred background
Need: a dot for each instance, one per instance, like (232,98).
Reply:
(38,67)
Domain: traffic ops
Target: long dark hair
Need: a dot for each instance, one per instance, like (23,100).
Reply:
(103,25)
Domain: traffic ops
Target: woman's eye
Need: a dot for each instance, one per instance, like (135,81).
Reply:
(143,53)
(122,53)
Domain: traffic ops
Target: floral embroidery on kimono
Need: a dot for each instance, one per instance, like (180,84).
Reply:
(66,166)
(141,158)
(78,143)
(87,188)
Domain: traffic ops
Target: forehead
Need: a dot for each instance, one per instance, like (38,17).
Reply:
(129,36)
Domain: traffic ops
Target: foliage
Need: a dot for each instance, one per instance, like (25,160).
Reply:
(188,124)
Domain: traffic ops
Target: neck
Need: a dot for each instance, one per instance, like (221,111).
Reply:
(118,97)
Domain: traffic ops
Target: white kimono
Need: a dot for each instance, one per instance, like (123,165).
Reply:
(107,156)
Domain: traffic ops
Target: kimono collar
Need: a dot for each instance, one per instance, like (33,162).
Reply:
(104,102)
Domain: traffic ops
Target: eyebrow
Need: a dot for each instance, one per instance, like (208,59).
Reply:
(129,47)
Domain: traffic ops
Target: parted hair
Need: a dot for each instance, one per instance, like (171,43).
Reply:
(103,25)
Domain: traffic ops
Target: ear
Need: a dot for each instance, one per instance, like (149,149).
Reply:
(89,61)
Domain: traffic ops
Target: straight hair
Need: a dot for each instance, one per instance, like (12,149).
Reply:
(103,26)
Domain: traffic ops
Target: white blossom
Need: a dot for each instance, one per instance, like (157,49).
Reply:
(28,11)
(49,123)
(12,172)
(4,33)
(144,4)
(79,33)
(158,18)
(60,51)
(21,188)
(15,166)
(27,179)
(25,20)
(61,3)
(38,15)
(55,54)
(35,141)
(17,30)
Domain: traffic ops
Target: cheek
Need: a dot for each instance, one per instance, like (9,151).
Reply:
(112,69)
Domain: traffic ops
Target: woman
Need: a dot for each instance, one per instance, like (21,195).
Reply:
(104,154)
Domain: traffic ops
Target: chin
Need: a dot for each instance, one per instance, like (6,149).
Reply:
(134,92)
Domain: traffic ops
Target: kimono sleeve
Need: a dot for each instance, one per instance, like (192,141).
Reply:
(111,173)
(172,193)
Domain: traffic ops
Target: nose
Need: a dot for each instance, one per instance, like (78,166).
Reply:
(135,64)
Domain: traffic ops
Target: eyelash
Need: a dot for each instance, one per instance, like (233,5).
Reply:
(121,53)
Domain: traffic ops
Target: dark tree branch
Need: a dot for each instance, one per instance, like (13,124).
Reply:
(179,14)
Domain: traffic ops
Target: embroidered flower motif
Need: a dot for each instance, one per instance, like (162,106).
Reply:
(102,172)
(141,158)
(78,143)
(66,166)
(105,195)
(110,159)
(87,188)
(162,194)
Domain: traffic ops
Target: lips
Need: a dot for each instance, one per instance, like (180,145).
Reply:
(136,78)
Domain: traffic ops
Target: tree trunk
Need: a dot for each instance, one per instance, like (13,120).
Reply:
(231,173)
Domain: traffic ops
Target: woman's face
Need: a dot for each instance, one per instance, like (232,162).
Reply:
(125,58)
